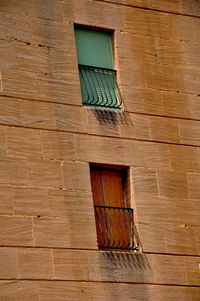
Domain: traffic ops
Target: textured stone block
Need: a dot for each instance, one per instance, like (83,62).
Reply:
(192,270)
(70,118)
(173,184)
(188,80)
(9,111)
(45,173)
(107,291)
(14,171)
(43,87)
(7,55)
(143,100)
(6,201)
(128,46)
(184,158)
(76,176)
(2,141)
(83,234)
(49,232)
(23,142)
(177,105)
(168,238)
(160,77)
(168,269)
(49,33)
(8,266)
(31,58)
(152,209)
(189,132)
(35,264)
(135,127)
(30,201)
(114,151)
(16,231)
(193,184)
(144,183)
(37,114)
(19,290)
(61,290)
(171,52)
(66,204)
(70,265)
(164,129)
(58,145)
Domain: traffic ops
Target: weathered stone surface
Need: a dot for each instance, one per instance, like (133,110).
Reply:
(8,263)
(23,142)
(184,158)
(6,201)
(173,184)
(16,231)
(19,290)
(70,118)
(68,265)
(9,111)
(31,58)
(193,184)
(30,201)
(7,55)
(58,145)
(34,264)
(164,129)
(144,183)
(61,290)
(13,171)
(45,173)
(37,114)
(76,176)
(51,232)
(64,204)
(189,132)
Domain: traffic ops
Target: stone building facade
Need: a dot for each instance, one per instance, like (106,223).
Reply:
(48,240)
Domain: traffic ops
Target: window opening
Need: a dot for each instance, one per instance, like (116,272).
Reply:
(96,68)
(114,218)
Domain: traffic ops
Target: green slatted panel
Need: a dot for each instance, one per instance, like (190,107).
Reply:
(94,48)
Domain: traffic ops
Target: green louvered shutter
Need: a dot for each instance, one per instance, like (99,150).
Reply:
(94,48)
(98,85)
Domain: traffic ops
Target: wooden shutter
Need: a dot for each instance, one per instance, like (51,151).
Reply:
(108,191)
(94,48)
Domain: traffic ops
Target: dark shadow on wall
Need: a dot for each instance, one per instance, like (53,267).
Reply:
(114,117)
(127,260)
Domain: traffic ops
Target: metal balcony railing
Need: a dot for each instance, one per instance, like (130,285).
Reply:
(115,228)
(99,87)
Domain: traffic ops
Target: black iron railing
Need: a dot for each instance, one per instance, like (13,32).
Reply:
(99,87)
(115,228)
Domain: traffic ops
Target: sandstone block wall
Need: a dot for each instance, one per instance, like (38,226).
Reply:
(48,244)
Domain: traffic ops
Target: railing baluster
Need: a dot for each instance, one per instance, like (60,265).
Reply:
(115,228)
(99,87)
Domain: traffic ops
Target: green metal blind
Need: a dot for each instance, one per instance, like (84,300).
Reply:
(94,48)
(97,77)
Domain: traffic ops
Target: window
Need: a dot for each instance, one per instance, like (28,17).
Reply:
(114,218)
(96,68)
